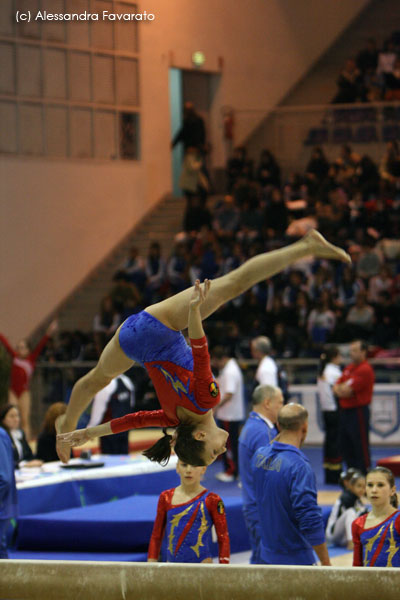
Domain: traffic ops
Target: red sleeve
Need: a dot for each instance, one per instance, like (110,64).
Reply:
(205,387)
(7,346)
(363,379)
(36,351)
(356,530)
(397,524)
(140,419)
(216,509)
(158,527)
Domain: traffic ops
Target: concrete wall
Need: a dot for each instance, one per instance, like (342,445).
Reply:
(60,218)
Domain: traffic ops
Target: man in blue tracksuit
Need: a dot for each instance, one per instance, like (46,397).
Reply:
(8,490)
(259,430)
(284,485)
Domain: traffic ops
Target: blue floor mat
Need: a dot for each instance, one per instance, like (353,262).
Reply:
(121,526)
(107,556)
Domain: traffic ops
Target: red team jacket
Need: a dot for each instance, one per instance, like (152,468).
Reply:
(361,379)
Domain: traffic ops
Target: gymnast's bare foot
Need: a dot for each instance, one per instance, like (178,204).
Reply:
(63,449)
(321,248)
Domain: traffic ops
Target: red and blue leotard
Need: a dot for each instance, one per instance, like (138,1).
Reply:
(188,528)
(22,368)
(377,546)
(181,374)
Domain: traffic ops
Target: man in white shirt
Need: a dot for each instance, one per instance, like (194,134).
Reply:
(115,400)
(267,371)
(230,412)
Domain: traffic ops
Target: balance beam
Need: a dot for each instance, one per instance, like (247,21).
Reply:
(76,580)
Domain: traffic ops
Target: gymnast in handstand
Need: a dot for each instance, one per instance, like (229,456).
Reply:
(181,374)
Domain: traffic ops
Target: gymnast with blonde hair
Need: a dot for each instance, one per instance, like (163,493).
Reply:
(181,374)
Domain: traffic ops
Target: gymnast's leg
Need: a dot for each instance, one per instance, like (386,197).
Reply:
(112,362)
(173,312)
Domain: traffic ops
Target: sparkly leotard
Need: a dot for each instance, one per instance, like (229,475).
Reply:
(377,546)
(188,528)
(181,374)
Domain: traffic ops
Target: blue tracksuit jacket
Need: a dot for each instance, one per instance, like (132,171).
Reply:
(286,495)
(255,433)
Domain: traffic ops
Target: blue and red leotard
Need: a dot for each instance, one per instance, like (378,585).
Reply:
(188,528)
(181,374)
(377,546)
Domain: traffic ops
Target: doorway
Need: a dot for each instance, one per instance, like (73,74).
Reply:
(187,85)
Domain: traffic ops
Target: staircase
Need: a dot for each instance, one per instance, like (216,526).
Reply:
(160,225)
(378,20)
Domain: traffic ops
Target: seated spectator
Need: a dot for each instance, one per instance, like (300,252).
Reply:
(132,269)
(383,282)
(246,190)
(236,166)
(386,329)
(367,58)
(283,341)
(321,321)
(317,168)
(370,259)
(178,268)
(348,162)
(349,286)
(155,269)
(292,289)
(126,298)
(46,444)
(276,215)
(250,224)
(320,283)
(226,221)
(196,215)
(235,258)
(193,180)
(361,317)
(346,508)
(350,84)
(10,421)
(268,171)
(366,177)
(386,58)
(392,82)
(108,319)
(389,168)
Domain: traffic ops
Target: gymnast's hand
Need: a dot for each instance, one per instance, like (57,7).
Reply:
(200,293)
(74,438)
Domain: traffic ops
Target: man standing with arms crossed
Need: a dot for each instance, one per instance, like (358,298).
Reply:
(259,430)
(354,390)
(291,524)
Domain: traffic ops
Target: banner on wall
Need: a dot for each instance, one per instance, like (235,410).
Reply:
(385,413)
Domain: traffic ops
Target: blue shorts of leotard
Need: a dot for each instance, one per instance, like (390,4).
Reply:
(144,338)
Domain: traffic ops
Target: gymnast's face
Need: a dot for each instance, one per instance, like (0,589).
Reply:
(12,419)
(22,349)
(379,490)
(358,487)
(189,474)
(214,442)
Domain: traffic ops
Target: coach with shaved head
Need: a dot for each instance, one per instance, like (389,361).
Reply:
(284,486)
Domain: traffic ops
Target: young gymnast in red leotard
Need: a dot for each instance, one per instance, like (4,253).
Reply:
(376,535)
(181,375)
(185,515)
(22,368)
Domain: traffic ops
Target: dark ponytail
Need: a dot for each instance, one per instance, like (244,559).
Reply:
(187,448)
(326,357)
(160,451)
